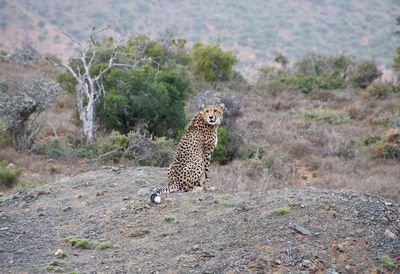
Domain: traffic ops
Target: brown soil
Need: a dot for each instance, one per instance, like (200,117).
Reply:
(321,231)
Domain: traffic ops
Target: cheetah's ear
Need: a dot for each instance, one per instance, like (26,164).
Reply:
(222,106)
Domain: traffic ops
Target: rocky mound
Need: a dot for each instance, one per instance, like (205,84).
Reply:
(102,222)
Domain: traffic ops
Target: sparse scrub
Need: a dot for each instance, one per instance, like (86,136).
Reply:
(381,89)
(272,165)
(79,242)
(135,146)
(326,115)
(224,201)
(390,147)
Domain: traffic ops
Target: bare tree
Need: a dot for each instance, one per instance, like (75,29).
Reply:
(89,87)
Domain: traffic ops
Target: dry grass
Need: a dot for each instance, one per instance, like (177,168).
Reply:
(38,169)
(333,154)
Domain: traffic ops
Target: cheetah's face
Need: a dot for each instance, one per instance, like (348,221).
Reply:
(212,114)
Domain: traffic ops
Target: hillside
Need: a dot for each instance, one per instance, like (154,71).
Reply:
(282,231)
(254,30)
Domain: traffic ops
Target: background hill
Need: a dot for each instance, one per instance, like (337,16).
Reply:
(254,30)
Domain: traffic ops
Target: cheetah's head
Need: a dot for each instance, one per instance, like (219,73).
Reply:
(212,114)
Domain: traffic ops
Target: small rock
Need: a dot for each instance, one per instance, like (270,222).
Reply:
(340,247)
(115,169)
(123,209)
(1,194)
(59,253)
(125,198)
(278,262)
(3,228)
(388,204)
(300,229)
(390,234)
(67,208)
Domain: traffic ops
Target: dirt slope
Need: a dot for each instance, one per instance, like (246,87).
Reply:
(345,232)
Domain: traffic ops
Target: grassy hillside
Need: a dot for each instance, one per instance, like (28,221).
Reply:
(255,30)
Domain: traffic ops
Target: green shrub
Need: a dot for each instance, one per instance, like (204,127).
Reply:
(363,74)
(381,89)
(370,139)
(211,63)
(8,175)
(78,242)
(221,150)
(306,83)
(54,150)
(145,95)
(388,263)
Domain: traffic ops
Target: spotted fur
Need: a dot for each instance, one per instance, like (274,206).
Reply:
(192,160)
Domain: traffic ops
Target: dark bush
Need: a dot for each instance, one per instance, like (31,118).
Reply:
(146,95)
(363,74)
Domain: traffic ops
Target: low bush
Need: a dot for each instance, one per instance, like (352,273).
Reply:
(8,174)
(390,147)
(137,147)
(210,63)
(381,89)
(363,74)
(306,83)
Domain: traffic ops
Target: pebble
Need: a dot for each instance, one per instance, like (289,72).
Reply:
(390,234)
(3,228)
(67,208)
(302,230)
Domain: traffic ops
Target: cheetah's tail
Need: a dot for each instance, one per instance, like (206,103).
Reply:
(157,191)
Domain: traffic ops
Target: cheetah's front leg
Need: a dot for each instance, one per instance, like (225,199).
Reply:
(207,163)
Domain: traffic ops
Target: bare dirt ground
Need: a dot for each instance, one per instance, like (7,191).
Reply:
(284,231)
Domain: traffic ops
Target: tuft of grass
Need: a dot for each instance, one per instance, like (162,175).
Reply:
(79,242)
(104,245)
(57,263)
(139,233)
(388,263)
(326,115)
(54,269)
(224,201)
(282,210)
(8,175)
(169,218)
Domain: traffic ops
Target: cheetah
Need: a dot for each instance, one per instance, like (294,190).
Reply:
(191,163)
